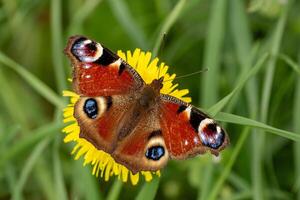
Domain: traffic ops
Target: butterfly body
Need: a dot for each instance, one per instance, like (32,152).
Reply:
(131,120)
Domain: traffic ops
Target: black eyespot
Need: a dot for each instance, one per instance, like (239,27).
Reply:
(91,108)
(91,46)
(155,152)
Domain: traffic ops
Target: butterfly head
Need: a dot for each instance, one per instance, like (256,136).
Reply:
(157,84)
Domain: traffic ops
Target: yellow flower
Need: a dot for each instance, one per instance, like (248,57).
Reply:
(103,164)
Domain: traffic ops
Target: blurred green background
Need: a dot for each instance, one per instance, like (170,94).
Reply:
(252,52)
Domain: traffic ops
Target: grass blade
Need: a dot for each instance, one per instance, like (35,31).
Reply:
(235,119)
(297,144)
(168,23)
(264,107)
(212,59)
(122,13)
(115,190)
(43,175)
(33,81)
(37,151)
(212,52)
(57,47)
(16,112)
(244,78)
(47,131)
(149,190)
(81,15)
(290,63)
(226,171)
(59,184)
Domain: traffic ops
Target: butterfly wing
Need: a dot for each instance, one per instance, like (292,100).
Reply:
(99,117)
(144,149)
(106,85)
(99,72)
(173,129)
(187,131)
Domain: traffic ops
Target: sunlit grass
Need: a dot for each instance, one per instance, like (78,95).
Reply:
(252,86)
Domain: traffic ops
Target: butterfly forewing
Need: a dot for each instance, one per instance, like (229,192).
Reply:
(99,72)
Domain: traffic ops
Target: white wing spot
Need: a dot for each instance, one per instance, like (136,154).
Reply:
(117,63)
(186,142)
(188,111)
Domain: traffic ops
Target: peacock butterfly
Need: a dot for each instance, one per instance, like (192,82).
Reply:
(132,121)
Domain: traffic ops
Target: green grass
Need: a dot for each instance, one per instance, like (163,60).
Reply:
(252,86)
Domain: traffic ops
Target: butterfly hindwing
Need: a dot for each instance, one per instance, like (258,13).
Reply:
(187,131)
(144,149)
(98,118)
(99,72)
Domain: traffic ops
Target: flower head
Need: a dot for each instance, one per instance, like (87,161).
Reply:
(103,164)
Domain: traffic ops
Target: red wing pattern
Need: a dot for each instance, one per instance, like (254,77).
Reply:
(188,131)
(99,72)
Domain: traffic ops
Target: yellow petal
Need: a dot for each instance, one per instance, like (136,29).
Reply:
(107,171)
(147,175)
(124,173)
(134,178)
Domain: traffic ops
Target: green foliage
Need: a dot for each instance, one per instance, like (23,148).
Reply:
(252,86)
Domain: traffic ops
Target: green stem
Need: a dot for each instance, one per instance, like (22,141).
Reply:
(57,47)
(297,129)
(168,23)
(226,171)
(33,81)
(37,151)
(258,175)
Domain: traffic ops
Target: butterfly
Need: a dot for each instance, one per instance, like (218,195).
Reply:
(120,114)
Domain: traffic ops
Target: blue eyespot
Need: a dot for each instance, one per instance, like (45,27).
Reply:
(86,50)
(90,108)
(211,137)
(155,152)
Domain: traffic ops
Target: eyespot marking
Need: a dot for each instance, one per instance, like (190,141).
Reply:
(155,153)
(211,134)
(91,108)
(86,50)
(95,107)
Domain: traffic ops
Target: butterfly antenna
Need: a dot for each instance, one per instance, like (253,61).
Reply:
(187,75)
(160,51)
